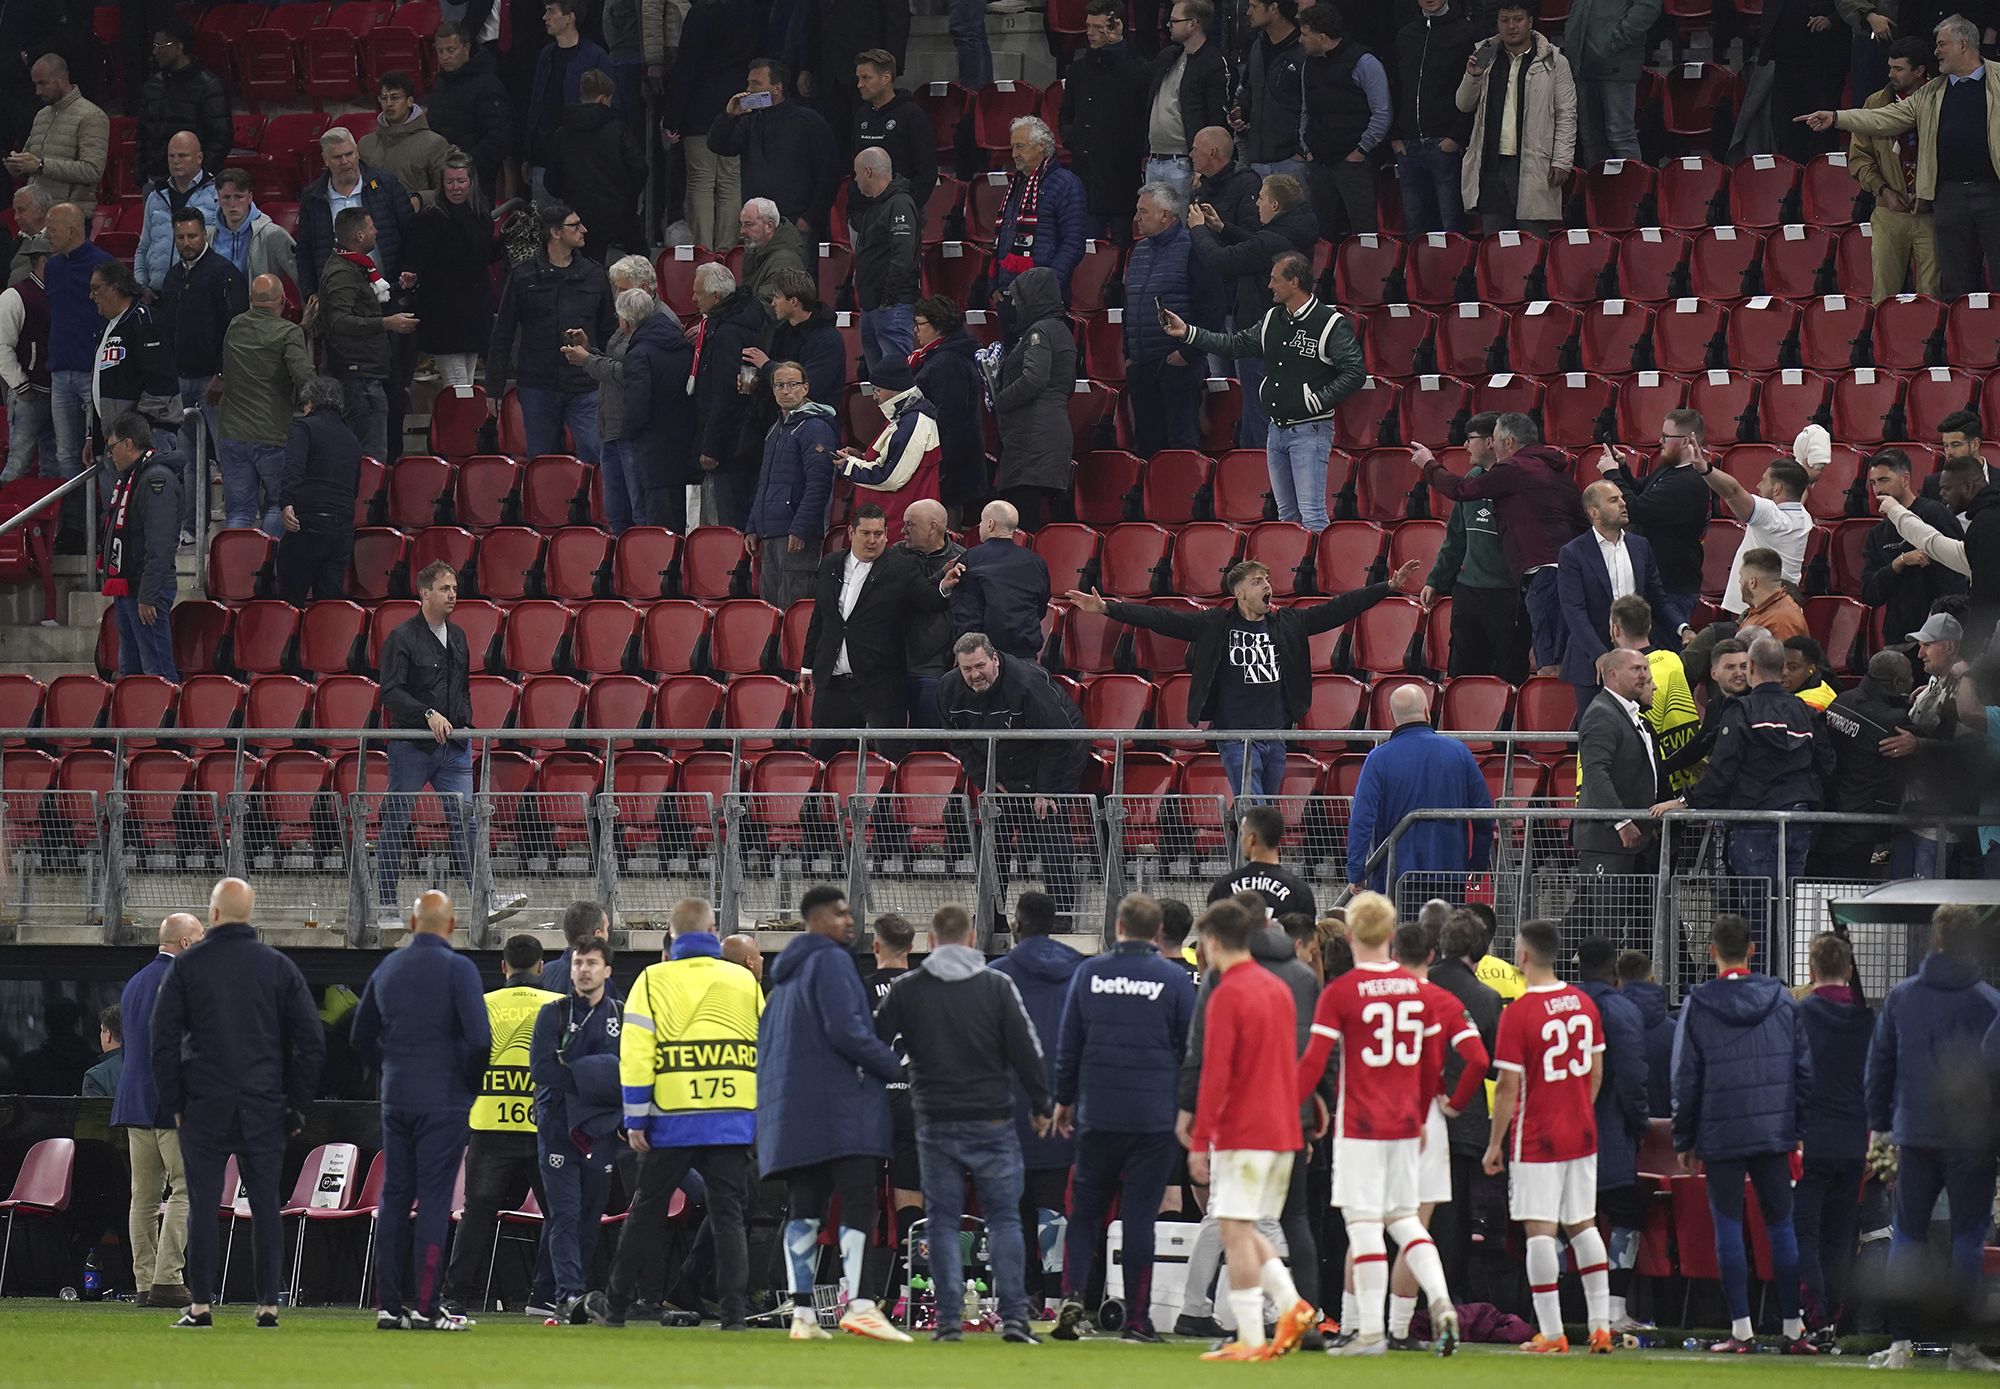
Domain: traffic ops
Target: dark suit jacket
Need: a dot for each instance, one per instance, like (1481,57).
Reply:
(894,594)
(1584,586)
(1619,771)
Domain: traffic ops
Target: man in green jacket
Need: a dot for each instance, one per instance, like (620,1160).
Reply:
(353,323)
(1311,363)
(1486,637)
(264,363)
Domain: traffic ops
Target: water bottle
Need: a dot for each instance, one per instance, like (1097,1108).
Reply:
(1690,1344)
(93,1278)
(68,1294)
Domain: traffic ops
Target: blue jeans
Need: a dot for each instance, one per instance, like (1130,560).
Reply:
(1771,1175)
(1136,1166)
(888,337)
(1912,857)
(988,1151)
(247,470)
(31,434)
(923,701)
(968,36)
(1429,176)
(1296,455)
(1293,168)
(365,410)
(69,400)
(144,649)
(194,477)
(1176,169)
(1253,429)
(447,769)
(577,1185)
(544,412)
(1753,852)
(1266,768)
(1545,617)
(1965,1176)
(420,1153)
(624,486)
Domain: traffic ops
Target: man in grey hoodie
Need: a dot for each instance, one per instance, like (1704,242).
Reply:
(968,1037)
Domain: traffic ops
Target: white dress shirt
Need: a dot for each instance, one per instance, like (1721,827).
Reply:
(1618,564)
(852,578)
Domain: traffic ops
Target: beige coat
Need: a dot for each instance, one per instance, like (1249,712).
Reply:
(1548,131)
(72,138)
(1873,160)
(1920,109)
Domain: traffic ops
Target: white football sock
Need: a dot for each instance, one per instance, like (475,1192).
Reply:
(1593,1265)
(1277,1284)
(1401,1310)
(1371,1275)
(1422,1256)
(1545,1282)
(1248,1305)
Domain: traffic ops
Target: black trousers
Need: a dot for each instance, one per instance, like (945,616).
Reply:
(726,1170)
(500,1168)
(313,563)
(1039,504)
(1487,634)
(1965,220)
(1164,401)
(258,1145)
(852,701)
(1301,1247)
(1605,893)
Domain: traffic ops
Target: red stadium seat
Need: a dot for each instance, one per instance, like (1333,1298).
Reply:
(1760,331)
(1833,332)
(759,701)
(141,701)
(1905,327)
(686,701)
(792,633)
(1972,332)
(1509,268)
(1789,401)
(1160,655)
(1693,192)
(1846,554)
(1438,267)
(1718,555)
(1101,260)
(1385,483)
(1089,642)
(1346,554)
(714,563)
(1173,486)
(946,103)
(343,701)
(1470,339)
(1650,264)
(1384,633)
(534,636)
(264,632)
(1865,406)
(743,640)
(1539,336)
(1118,701)
(1415,540)
(1286,549)
(576,561)
(1358,420)
(238,564)
(451,544)
(1935,392)
(1799,261)
(1643,401)
(1203,553)
(1727,401)
(1433,409)
(494,700)
(1502,392)
(1611,335)
(1133,560)
(605,631)
(489,489)
(1474,703)
(1763,191)
(555,491)
(617,701)
(1379,717)
(1336,702)
(330,637)
(996,106)
(1070,552)
(1699,96)
(1582,265)
(1107,487)
(1724,263)
(276,702)
(419,489)
(549,701)
(1688,335)
(1368,269)
(1829,197)
(1578,410)
(210,701)
(509,562)
(200,627)
(1545,704)
(391,48)
(645,563)
(1854,262)
(20,701)
(1840,626)
(1394,339)
(267,66)
(1616,194)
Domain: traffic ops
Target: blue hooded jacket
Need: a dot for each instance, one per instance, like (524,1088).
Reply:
(821,1070)
(1927,1048)
(137,1104)
(1124,1031)
(1742,1071)
(1651,1001)
(1041,968)
(576,1077)
(1418,768)
(1838,1032)
(1622,1113)
(422,1019)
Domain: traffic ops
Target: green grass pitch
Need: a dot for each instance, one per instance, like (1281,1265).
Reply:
(74,1345)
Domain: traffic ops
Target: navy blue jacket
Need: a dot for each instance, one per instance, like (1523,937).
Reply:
(235,1036)
(1742,1070)
(1926,1048)
(1837,1119)
(576,1072)
(1060,216)
(1651,1001)
(1041,968)
(1158,275)
(1418,768)
(422,1021)
(1124,1031)
(1583,586)
(821,1070)
(137,1104)
(1622,1113)
(382,194)
(659,429)
(1005,594)
(795,484)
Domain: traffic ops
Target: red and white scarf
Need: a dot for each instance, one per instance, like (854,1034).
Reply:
(375,280)
(111,563)
(916,359)
(1022,256)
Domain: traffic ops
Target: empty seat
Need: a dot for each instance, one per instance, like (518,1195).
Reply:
(1905,325)
(618,701)
(1866,404)
(1972,332)
(509,563)
(535,634)
(263,635)
(1725,263)
(676,637)
(1611,335)
(605,631)
(343,701)
(1538,338)
(1433,409)
(330,636)
(1761,331)
(1617,193)
(1173,486)
(1833,333)
(1359,421)
(453,545)
(1133,557)
(1336,702)
(276,702)
(1727,401)
(379,565)
(1203,552)
(1578,410)
(1509,268)
(1470,339)
(714,563)
(1582,265)
(1396,338)
(488,488)
(1688,335)
(140,702)
(1763,191)
(645,563)
(1089,642)
(549,701)
(1070,552)
(1369,269)
(555,491)
(744,638)
(1643,401)
(238,561)
(1799,262)
(1649,264)
(1789,401)
(1384,633)
(200,627)
(1438,266)
(759,701)
(1346,554)
(1829,196)
(1933,393)
(1107,487)
(686,702)
(576,561)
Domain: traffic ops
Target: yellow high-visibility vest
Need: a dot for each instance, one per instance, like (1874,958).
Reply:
(506,1101)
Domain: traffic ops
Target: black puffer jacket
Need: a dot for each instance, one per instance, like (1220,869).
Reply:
(599,169)
(884,231)
(1036,379)
(739,321)
(191,99)
(450,247)
(539,301)
(471,109)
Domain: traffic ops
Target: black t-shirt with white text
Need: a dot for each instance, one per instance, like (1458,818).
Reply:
(1282,890)
(1250,693)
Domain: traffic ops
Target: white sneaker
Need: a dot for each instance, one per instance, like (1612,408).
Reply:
(1628,1325)
(866,1319)
(1966,1356)
(1896,1357)
(1361,1345)
(809,1329)
(1444,1329)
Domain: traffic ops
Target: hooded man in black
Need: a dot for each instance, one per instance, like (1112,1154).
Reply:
(1864,782)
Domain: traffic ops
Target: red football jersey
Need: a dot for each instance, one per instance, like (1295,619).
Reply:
(1549,1036)
(1455,1032)
(1378,1015)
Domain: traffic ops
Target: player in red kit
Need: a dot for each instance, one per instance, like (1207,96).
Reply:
(1414,950)
(1246,1130)
(1378,1014)
(1550,1055)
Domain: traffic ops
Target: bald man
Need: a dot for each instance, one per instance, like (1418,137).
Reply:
(186,185)
(422,1021)
(927,539)
(741,949)
(1004,591)
(159,1248)
(1593,571)
(885,218)
(1418,768)
(236,1053)
(264,366)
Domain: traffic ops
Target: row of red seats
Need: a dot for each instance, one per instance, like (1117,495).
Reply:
(1689,334)
(331,56)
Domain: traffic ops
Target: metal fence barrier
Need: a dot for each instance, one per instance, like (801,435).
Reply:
(641,840)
